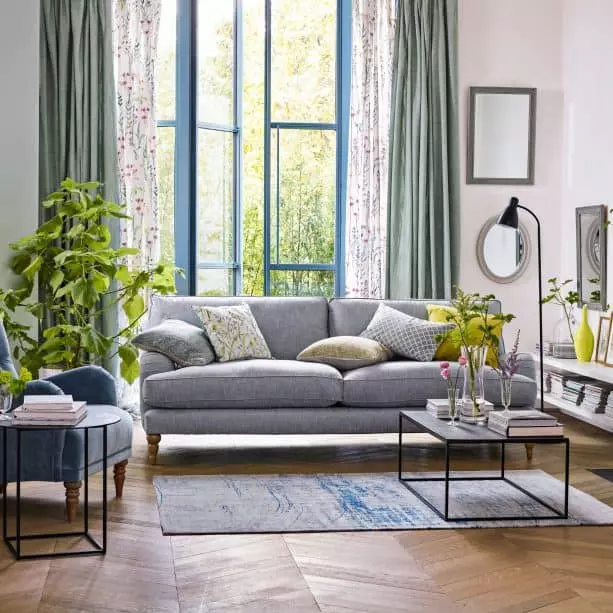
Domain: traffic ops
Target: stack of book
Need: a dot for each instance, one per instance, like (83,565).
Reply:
(608,409)
(557,381)
(574,390)
(595,396)
(524,424)
(49,411)
(439,407)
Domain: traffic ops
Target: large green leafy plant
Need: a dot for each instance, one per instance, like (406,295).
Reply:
(70,276)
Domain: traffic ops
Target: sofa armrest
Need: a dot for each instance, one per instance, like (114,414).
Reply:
(527,366)
(91,383)
(152,363)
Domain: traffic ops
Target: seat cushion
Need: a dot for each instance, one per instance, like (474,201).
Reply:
(410,384)
(248,384)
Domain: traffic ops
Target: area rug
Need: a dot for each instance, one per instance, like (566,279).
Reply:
(239,504)
(605,473)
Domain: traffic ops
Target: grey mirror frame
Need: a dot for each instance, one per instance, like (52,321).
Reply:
(470,153)
(601,210)
(487,226)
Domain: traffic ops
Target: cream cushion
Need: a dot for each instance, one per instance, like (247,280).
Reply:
(345,352)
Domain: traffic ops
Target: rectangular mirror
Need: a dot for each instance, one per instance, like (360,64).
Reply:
(592,256)
(501,135)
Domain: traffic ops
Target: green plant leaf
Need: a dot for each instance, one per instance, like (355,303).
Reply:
(56,280)
(134,307)
(30,271)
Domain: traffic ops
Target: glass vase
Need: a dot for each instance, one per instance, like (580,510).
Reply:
(454,396)
(505,393)
(6,400)
(473,395)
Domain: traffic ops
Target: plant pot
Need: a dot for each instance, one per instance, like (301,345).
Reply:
(45,373)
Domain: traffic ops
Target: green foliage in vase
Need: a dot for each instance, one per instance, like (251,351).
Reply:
(562,293)
(70,276)
(467,308)
(15,385)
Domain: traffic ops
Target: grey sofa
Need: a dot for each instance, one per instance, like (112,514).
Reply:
(284,396)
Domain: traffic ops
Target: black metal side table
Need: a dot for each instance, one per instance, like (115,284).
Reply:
(92,421)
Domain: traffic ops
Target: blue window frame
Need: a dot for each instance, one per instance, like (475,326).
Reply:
(195,129)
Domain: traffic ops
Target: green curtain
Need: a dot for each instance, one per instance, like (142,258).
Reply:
(77,102)
(424,160)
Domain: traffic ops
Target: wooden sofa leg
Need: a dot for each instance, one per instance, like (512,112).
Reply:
(119,476)
(529,451)
(154,444)
(72,498)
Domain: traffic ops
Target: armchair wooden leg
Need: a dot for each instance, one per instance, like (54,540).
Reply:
(154,444)
(72,498)
(529,451)
(1,489)
(119,476)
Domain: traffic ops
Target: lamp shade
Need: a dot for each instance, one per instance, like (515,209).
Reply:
(509,217)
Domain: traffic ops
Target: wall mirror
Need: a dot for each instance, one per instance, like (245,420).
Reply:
(592,256)
(503,253)
(501,135)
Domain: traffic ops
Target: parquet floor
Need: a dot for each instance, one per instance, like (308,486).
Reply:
(550,570)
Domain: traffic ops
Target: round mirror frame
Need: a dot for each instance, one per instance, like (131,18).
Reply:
(487,226)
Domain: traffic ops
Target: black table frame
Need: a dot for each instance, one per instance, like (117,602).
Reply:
(97,548)
(503,441)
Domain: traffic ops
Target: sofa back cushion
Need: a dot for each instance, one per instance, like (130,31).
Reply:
(288,325)
(351,316)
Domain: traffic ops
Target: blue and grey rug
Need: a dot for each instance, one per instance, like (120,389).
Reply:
(234,504)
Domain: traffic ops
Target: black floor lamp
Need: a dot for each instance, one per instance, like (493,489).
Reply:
(509,219)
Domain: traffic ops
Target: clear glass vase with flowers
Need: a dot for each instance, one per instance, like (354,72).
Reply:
(507,367)
(476,333)
(454,393)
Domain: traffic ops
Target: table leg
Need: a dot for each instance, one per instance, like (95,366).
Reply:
(566,478)
(5,481)
(86,479)
(446,480)
(104,493)
(502,459)
(400,446)
(18,497)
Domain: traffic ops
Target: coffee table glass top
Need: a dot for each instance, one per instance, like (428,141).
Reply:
(441,429)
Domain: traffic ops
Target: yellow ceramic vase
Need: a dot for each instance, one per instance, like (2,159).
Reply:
(584,339)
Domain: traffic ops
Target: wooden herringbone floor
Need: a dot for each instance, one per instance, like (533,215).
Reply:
(550,570)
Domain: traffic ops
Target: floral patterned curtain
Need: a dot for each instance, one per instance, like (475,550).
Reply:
(372,56)
(136,28)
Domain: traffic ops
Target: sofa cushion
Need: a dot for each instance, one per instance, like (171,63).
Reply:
(405,335)
(287,324)
(410,384)
(233,332)
(249,384)
(183,343)
(345,352)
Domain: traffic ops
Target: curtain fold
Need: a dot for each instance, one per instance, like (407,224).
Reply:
(137,24)
(373,23)
(424,157)
(77,106)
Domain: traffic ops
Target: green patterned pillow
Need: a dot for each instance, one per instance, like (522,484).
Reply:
(233,332)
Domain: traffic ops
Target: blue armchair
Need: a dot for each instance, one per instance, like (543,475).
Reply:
(57,455)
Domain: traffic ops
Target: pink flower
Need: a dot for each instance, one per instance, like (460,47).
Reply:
(462,361)
(445,365)
(445,373)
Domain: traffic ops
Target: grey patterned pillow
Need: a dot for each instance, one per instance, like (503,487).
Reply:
(233,332)
(183,343)
(405,335)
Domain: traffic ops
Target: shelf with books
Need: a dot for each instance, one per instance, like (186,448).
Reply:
(595,419)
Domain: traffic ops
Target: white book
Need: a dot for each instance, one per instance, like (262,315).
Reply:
(68,410)
(19,414)
(48,403)
(50,422)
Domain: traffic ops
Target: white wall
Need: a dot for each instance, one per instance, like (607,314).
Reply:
(515,43)
(19,76)
(588,121)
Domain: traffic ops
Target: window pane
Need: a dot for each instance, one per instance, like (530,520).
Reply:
(165,143)
(166,69)
(303,60)
(303,209)
(302,283)
(215,196)
(253,148)
(214,282)
(215,61)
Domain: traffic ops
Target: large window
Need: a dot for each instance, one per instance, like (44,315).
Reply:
(252,105)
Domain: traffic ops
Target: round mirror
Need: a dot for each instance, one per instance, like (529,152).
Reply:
(502,252)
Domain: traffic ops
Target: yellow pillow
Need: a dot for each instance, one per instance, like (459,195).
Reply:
(449,349)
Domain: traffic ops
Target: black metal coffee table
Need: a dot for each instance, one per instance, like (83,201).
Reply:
(463,434)
(91,421)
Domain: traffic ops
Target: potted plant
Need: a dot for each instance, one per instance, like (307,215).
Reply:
(475,332)
(70,276)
